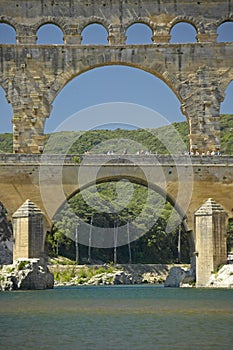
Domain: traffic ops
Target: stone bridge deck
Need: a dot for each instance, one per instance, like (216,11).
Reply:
(48,180)
(74,159)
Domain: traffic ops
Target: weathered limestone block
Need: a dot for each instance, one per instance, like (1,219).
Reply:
(28,226)
(179,276)
(223,278)
(26,274)
(210,232)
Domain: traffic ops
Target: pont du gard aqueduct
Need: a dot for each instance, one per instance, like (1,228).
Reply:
(32,75)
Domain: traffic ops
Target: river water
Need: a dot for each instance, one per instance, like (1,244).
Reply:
(117,317)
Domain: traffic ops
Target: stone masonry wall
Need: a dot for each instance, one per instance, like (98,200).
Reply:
(32,75)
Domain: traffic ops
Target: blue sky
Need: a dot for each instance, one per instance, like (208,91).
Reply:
(113,83)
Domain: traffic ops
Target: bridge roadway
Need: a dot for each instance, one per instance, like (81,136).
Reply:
(48,180)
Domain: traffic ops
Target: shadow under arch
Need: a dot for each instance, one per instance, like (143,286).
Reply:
(139,181)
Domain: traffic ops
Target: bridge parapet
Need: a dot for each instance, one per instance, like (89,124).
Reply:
(75,159)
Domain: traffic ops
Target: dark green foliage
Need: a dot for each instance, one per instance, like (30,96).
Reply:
(22,265)
(163,140)
(155,246)
(230,236)
(227,133)
(100,141)
(6,143)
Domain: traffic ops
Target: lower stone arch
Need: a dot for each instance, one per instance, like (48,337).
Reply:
(168,198)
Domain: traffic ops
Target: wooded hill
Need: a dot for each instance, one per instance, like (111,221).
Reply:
(101,141)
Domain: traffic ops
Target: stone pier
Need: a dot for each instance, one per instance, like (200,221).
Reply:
(28,228)
(211,248)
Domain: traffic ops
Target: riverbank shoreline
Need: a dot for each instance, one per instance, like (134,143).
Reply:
(109,274)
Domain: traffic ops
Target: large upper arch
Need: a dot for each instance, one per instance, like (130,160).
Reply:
(158,71)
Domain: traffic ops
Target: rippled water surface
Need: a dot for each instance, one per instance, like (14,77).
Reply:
(117,317)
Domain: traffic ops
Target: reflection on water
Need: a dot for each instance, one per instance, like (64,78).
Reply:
(116,317)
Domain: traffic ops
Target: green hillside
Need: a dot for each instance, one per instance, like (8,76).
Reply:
(162,140)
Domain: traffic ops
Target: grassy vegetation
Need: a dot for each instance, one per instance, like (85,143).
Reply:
(22,265)
(79,275)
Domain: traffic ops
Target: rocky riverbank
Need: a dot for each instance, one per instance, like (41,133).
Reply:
(35,274)
(25,274)
(223,278)
(69,275)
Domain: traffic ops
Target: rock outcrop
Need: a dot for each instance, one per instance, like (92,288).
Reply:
(223,278)
(26,274)
(179,277)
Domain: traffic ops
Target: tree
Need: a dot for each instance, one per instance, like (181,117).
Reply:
(156,246)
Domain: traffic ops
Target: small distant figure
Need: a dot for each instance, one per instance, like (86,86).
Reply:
(125,151)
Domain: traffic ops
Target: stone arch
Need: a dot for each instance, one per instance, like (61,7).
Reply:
(227,18)
(158,71)
(226,79)
(186,19)
(9,34)
(218,27)
(11,22)
(224,87)
(142,20)
(12,94)
(137,181)
(148,26)
(57,21)
(4,84)
(94,20)
(100,36)
(168,198)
